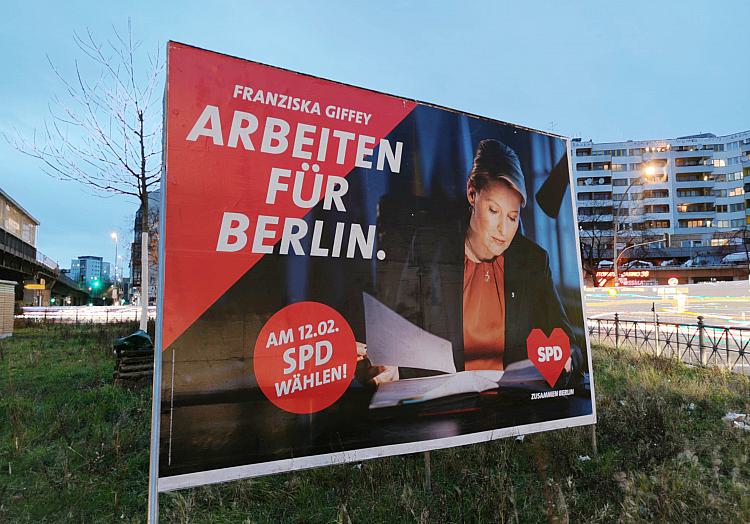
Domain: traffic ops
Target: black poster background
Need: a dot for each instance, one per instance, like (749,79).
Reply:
(213,414)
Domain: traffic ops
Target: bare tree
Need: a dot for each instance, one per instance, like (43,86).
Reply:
(738,239)
(743,237)
(597,219)
(105,130)
(595,235)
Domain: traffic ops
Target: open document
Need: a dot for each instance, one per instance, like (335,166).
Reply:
(413,390)
(394,341)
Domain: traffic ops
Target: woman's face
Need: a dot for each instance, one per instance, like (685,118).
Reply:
(494,219)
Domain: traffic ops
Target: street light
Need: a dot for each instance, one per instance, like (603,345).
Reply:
(640,244)
(649,171)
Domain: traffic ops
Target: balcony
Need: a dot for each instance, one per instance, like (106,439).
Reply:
(591,158)
(700,168)
(597,183)
(698,153)
(694,230)
(654,185)
(585,193)
(706,205)
(655,155)
(697,184)
(594,203)
(654,193)
(708,199)
(596,218)
(656,230)
(658,214)
(655,201)
(696,216)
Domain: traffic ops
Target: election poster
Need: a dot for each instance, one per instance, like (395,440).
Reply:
(346,274)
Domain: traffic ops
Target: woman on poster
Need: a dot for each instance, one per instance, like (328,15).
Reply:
(507,283)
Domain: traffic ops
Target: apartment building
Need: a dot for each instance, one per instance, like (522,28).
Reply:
(87,269)
(689,191)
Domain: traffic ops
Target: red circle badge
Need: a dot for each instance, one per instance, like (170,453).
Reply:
(305,357)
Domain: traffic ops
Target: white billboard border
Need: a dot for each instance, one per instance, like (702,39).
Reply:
(215,476)
(153,469)
(164,484)
(581,287)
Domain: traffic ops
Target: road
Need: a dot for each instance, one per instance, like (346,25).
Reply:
(720,303)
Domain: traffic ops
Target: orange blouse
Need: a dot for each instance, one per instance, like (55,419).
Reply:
(484,314)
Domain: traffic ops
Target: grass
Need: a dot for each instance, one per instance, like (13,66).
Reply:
(74,448)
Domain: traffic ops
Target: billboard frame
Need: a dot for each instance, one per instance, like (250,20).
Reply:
(166,484)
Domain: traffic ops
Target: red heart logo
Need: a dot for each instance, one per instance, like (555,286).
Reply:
(549,354)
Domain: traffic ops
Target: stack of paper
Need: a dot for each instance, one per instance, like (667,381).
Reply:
(394,341)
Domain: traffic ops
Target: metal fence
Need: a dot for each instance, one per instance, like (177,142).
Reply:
(698,344)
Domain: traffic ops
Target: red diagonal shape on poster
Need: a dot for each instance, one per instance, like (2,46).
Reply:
(204,179)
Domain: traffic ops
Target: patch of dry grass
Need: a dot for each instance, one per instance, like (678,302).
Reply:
(75,448)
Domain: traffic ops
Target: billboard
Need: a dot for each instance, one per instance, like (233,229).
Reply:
(347,275)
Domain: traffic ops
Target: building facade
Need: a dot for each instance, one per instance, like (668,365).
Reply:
(686,195)
(21,262)
(17,222)
(154,203)
(88,269)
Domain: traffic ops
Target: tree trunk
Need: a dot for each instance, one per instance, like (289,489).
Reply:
(144,227)
(144,262)
(144,281)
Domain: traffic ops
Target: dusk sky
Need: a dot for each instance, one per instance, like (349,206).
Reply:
(600,70)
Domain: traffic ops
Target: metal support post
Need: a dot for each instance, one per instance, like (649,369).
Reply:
(726,345)
(594,447)
(617,331)
(427,472)
(658,344)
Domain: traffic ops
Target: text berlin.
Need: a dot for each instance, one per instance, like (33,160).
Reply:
(307,138)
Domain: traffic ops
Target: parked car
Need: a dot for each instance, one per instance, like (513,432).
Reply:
(666,263)
(689,263)
(605,264)
(735,258)
(697,262)
(638,264)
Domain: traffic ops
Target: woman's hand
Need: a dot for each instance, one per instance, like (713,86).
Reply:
(375,374)
(361,351)
(382,374)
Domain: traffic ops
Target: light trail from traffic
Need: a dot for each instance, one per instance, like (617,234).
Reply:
(719,303)
(86,314)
